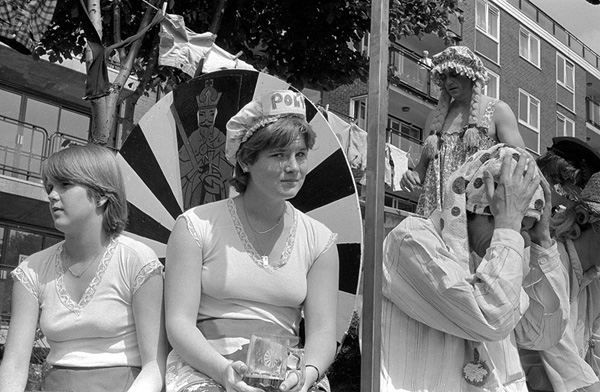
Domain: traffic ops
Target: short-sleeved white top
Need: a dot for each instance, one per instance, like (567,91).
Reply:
(100,329)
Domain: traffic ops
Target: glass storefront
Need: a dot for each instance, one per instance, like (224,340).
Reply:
(16,243)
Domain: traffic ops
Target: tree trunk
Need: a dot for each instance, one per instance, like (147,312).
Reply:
(105,108)
(103,112)
(104,119)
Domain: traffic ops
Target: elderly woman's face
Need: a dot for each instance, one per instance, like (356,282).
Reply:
(457,85)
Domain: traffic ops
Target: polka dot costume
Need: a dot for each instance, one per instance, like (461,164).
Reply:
(466,191)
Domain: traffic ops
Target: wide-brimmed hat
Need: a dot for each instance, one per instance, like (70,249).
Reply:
(259,113)
(576,151)
(461,60)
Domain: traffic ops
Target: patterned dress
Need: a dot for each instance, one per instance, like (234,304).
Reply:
(450,156)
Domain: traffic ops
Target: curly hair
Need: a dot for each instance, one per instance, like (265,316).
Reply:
(570,222)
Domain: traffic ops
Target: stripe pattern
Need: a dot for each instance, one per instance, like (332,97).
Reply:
(181,125)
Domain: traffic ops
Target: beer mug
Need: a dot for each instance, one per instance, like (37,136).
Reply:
(270,360)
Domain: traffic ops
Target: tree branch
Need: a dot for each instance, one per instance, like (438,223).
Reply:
(150,66)
(218,17)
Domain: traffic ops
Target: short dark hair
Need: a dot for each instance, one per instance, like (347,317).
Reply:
(279,134)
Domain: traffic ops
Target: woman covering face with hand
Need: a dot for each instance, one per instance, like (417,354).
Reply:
(252,263)
(97,294)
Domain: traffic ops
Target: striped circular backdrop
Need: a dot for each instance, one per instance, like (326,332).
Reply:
(174,159)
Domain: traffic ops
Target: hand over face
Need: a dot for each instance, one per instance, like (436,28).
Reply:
(510,199)
(540,231)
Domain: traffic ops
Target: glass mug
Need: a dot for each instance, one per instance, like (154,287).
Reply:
(270,360)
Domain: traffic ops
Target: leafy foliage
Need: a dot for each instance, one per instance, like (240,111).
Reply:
(304,42)
(420,17)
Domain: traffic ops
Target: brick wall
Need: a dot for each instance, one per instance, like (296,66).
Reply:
(339,99)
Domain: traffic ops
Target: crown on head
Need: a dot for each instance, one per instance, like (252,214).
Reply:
(209,96)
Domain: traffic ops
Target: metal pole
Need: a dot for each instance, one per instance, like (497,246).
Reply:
(377,111)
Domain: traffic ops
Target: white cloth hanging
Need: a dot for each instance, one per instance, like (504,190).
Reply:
(184,49)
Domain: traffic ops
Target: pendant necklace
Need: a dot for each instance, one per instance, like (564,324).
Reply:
(263,257)
(79,275)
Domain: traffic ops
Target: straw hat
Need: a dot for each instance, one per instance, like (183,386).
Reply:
(589,197)
(577,152)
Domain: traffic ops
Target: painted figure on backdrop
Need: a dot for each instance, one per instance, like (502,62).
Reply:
(253,262)
(202,157)
(463,122)
(465,287)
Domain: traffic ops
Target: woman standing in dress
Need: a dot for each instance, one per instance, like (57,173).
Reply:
(252,263)
(97,294)
(463,122)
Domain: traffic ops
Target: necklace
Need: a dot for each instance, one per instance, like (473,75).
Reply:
(79,275)
(266,231)
(264,258)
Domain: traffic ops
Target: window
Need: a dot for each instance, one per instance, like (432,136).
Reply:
(25,127)
(487,35)
(358,111)
(406,137)
(529,47)
(529,115)
(564,126)
(15,245)
(565,82)
(492,87)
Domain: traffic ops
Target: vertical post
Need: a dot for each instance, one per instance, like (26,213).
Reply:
(377,110)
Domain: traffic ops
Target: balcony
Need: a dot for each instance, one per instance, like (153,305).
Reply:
(406,70)
(24,146)
(406,137)
(564,36)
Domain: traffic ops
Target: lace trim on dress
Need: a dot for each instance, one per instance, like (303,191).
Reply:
(486,119)
(64,296)
(149,270)
(330,243)
(192,230)
(19,274)
(287,249)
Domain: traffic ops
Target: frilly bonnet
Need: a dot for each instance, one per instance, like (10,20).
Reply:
(461,60)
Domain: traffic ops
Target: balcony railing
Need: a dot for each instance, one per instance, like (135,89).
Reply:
(24,146)
(564,36)
(401,139)
(405,69)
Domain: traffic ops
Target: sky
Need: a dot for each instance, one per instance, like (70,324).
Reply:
(579,17)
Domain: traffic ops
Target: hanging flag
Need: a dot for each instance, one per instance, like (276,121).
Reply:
(24,22)
(184,49)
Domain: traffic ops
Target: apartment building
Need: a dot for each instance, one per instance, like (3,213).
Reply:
(41,110)
(547,75)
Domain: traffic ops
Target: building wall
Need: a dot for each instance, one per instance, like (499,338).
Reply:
(339,99)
